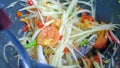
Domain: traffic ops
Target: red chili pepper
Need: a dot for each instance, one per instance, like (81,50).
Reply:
(30,2)
(89,18)
(66,50)
(97,59)
(60,38)
(85,17)
(40,24)
(25,28)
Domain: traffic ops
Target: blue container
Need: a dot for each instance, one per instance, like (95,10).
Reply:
(106,10)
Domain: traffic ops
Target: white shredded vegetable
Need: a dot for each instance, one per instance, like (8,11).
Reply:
(101,63)
(12,4)
(96,64)
(41,57)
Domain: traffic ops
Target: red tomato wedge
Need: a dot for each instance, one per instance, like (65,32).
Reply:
(101,39)
(49,36)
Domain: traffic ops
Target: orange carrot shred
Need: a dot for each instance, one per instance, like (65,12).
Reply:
(19,14)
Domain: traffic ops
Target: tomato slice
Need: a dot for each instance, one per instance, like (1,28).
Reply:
(49,36)
(101,40)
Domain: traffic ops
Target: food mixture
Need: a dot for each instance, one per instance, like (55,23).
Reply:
(65,34)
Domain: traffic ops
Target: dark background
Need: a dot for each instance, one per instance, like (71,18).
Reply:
(106,10)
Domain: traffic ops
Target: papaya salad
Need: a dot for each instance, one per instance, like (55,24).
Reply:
(65,34)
